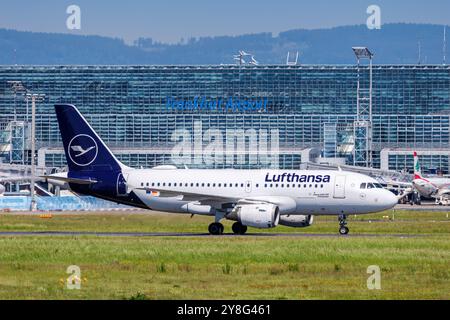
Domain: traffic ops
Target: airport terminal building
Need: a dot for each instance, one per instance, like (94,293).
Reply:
(310,110)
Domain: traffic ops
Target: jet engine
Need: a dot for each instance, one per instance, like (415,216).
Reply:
(296,221)
(257,215)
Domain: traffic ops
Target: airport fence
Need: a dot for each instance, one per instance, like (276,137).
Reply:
(67,203)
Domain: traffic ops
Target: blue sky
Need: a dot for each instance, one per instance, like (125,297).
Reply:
(171,20)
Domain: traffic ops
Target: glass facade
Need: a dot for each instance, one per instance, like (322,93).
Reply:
(142,106)
(429,163)
(138,160)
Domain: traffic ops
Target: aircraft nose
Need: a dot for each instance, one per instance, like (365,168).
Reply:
(390,199)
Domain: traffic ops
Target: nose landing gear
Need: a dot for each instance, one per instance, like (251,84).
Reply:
(343,230)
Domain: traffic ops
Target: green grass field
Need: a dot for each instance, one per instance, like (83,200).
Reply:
(416,266)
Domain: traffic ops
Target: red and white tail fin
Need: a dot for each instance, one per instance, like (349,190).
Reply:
(417,172)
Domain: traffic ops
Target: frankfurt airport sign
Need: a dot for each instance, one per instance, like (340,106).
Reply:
(232,104)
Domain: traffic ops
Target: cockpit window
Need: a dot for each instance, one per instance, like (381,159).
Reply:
(371,185)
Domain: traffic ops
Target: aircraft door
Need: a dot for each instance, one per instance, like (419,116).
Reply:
(339,187)
(121,185)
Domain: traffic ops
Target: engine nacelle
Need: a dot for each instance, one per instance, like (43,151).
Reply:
(258,215)
(296,221)
(2,189)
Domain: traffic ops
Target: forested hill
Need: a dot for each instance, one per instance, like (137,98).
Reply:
(393,44)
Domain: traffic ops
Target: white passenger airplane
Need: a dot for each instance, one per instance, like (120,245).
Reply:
(256,198)
(435,187)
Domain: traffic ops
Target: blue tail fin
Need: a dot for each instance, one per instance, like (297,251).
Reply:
(84,149)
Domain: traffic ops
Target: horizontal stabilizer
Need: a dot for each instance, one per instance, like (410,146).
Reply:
(70,180)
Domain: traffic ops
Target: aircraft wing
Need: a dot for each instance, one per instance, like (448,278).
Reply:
(189,196)
(443,190)
(286,204)
(398,183)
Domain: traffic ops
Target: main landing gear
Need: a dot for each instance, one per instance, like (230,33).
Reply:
(343,230)
(239,228)
(216,228)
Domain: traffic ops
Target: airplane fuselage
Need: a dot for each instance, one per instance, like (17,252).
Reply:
(312,192)
(430,187)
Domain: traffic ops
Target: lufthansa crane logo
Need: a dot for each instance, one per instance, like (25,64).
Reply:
(82,150)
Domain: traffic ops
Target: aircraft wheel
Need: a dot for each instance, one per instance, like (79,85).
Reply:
(239,228)
(343,230)
(216,228)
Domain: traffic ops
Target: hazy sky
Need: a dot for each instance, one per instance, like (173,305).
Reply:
(170,20)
